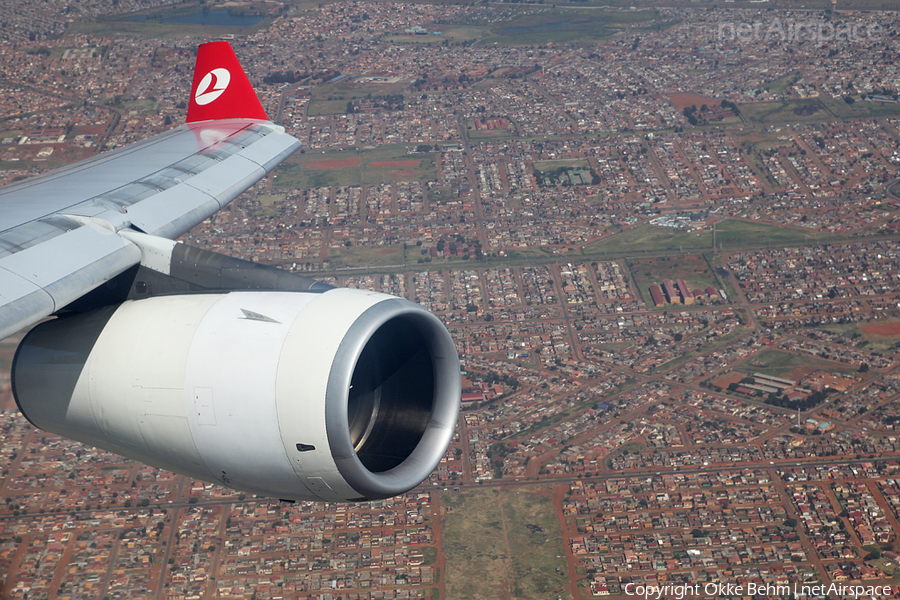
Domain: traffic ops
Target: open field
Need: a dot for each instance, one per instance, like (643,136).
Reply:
(502,545)
(779,364)
(814,110)
(790,111)
(685,100)
(475,549)
(755,144)
(448,33)
(270,199)
(146,107)
(318,169)
(535,545)
(557,25)
(440,195)
(365,256)
(117,26)
(883,329)
(266,201)
(527,253)
(718,263)
(614,347)
(880,336)
(782,84)
(861,109)
(549,165)
(318,108)
(332,98)
(731,234)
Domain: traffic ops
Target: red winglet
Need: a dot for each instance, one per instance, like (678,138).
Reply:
(221,89)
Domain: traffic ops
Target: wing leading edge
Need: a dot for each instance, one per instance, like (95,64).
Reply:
(58,231)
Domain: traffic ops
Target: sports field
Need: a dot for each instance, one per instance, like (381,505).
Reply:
(382,165)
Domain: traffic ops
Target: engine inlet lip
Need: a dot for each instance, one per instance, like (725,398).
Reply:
(445,409)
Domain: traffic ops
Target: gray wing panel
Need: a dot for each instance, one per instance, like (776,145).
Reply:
(64,188)
(170,201)
(173,212)
(114,181)
(176,210)
(44,278)
(22,303)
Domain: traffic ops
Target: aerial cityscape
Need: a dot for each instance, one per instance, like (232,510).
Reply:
(662,234)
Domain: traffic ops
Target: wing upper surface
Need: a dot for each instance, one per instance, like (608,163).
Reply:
(128,176)
(57,231)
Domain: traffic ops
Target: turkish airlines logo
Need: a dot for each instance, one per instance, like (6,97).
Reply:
(212,86)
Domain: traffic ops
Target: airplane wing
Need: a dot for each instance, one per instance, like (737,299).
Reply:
(225,370)
(58,231)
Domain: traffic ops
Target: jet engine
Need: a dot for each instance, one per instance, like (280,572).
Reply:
(341,395)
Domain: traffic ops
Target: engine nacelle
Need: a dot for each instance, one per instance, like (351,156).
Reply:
(343,395)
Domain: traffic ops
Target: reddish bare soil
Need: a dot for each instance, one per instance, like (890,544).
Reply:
(682,101)
(396,163)
(727,379)
(799,373)
(337,163)
(882,329)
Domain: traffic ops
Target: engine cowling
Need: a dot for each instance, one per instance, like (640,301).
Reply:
(343,395)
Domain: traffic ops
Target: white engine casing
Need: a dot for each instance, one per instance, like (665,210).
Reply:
(343,395)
